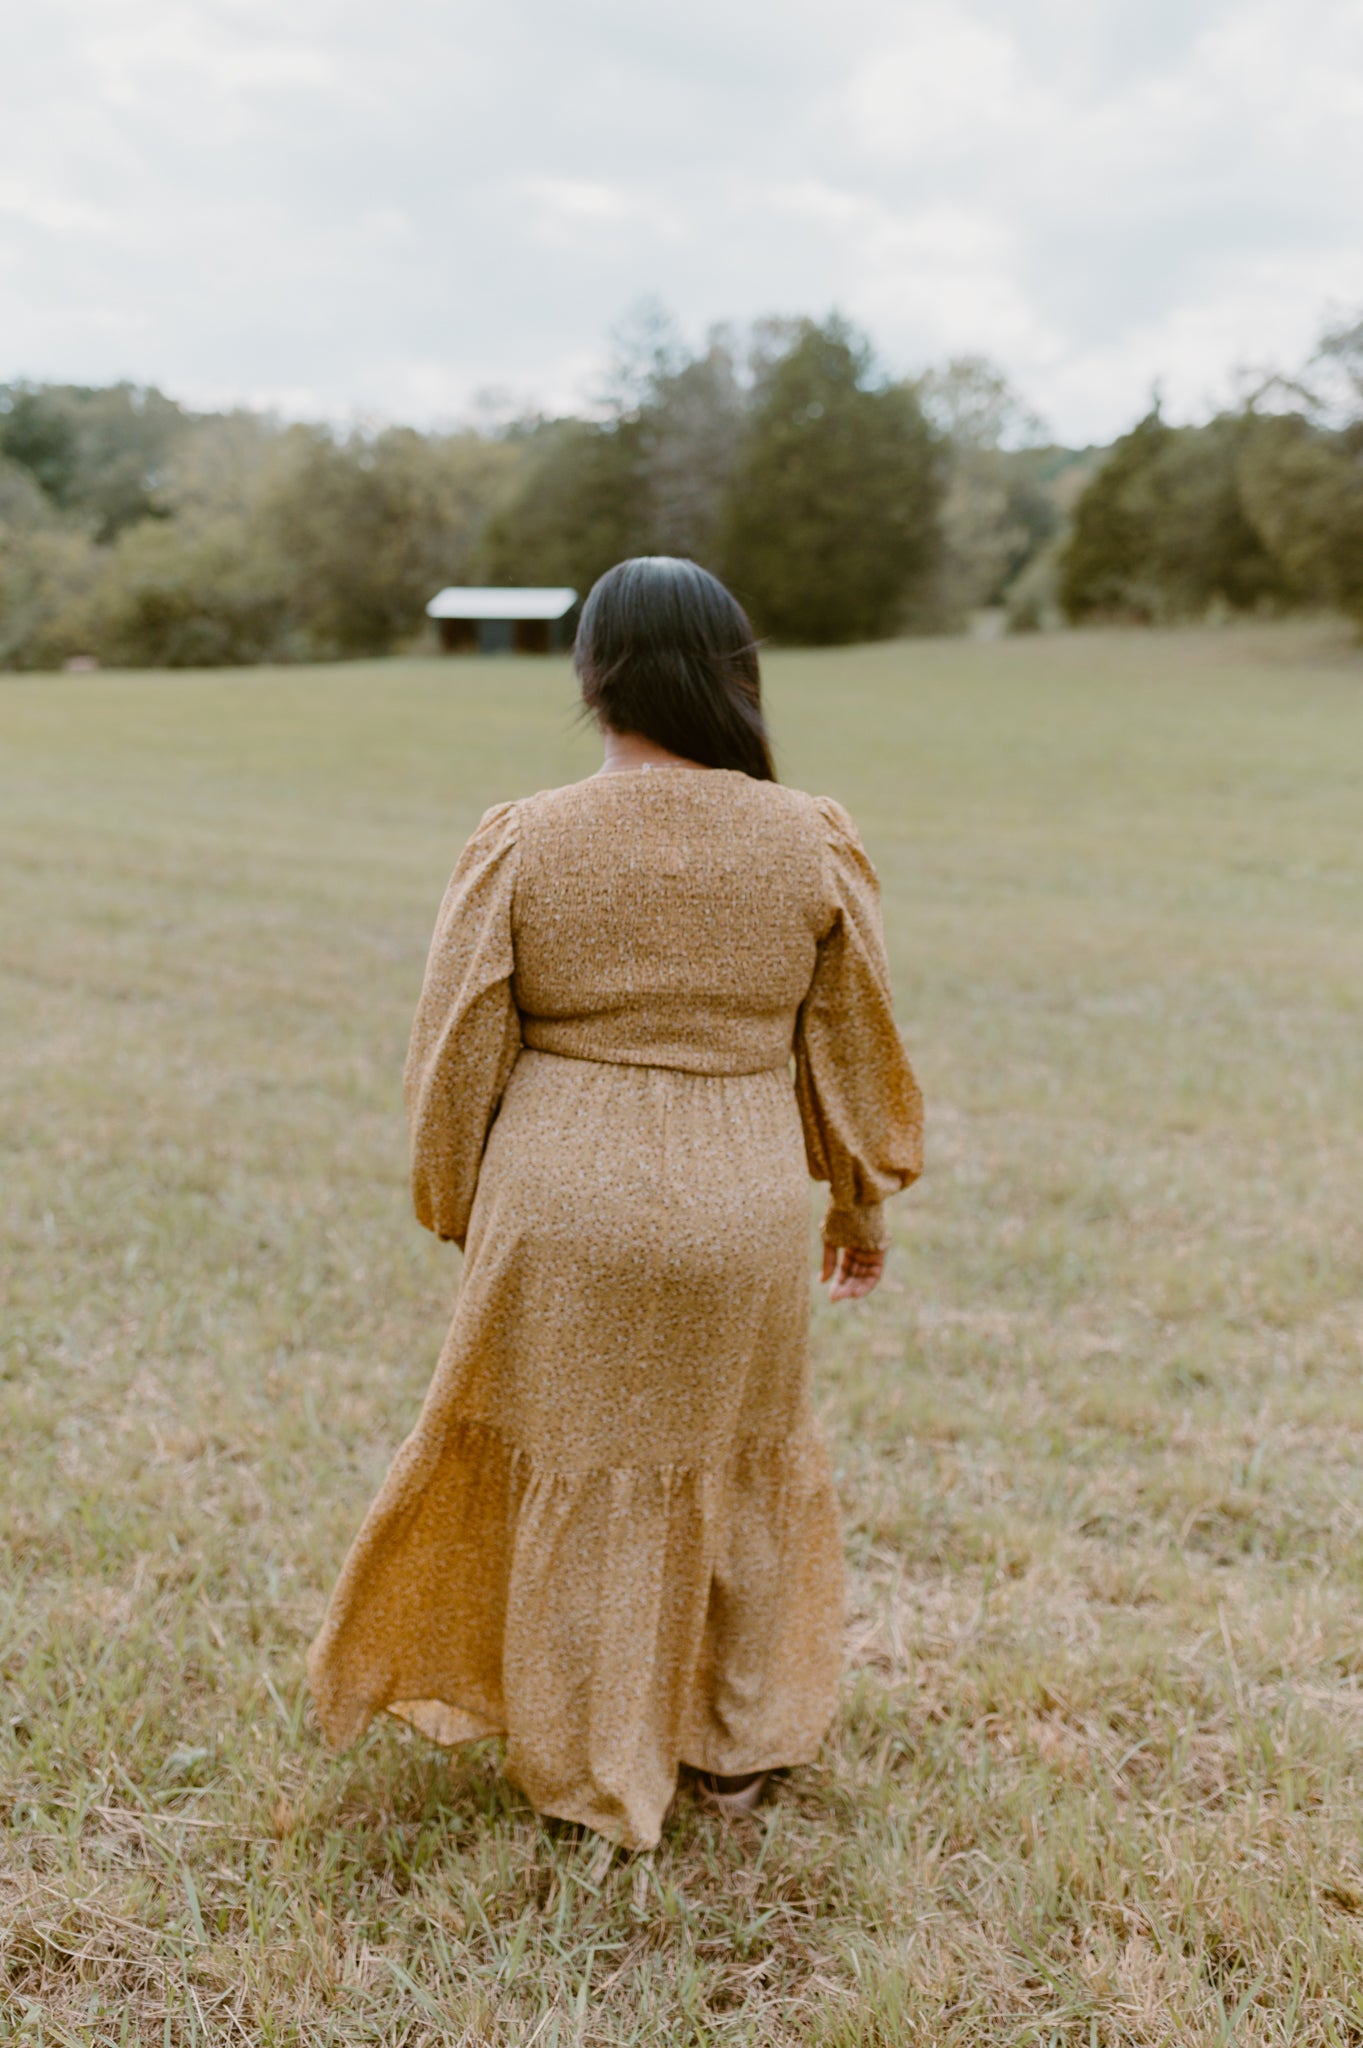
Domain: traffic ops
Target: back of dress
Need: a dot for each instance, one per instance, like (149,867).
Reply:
(677,918)
(667,918)
(655,1002)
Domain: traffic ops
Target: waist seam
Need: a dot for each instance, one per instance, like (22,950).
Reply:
(587,1059)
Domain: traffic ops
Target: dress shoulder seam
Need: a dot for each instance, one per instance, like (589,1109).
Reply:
(506,813)
(835,818)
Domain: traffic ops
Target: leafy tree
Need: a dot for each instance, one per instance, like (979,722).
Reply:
(830,527)
(1301,474)
(1335,375)
(971,403)
(48,575)
(47,569)
(203,584)
(690,431)
(1162,533)
(192,596)
(1303,492)
(1101,568)
(997,513)
(24,505)
(997,517)
(225,464)
(37,436)
(96,453)
(367,528)
(576,506)
(681,418)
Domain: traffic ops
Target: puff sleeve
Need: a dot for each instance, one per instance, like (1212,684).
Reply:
(859,1102)
(467,1032)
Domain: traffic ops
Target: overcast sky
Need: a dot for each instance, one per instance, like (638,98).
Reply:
(340,208)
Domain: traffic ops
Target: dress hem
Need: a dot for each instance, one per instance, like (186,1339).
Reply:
(482,1728)
(478,1728)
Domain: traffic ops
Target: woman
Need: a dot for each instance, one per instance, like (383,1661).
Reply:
(654,998)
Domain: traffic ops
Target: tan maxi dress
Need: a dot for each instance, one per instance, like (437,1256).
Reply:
(655,1002)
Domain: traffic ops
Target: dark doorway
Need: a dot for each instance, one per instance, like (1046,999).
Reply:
(496,636)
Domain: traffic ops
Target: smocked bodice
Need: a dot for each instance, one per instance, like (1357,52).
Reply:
(667,918)
(678,918)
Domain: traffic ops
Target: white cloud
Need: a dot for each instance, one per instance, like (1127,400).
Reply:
(943,82)
(22,200)
(1166,218)
(386,211)
(578,199)
(573,213)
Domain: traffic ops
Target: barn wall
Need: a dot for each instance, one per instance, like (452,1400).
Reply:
(506,636)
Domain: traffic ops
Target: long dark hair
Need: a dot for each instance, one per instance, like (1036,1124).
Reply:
(665,651)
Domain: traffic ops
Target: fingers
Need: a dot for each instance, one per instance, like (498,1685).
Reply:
(852,1286)
(854,1273)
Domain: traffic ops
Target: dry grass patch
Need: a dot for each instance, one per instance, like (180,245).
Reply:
(1097,1777)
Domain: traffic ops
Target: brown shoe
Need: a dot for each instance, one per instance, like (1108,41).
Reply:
(730,1795)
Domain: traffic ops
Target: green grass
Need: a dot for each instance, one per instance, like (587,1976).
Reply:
(1098,1772)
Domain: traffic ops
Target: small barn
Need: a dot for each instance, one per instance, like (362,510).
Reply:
(487,621)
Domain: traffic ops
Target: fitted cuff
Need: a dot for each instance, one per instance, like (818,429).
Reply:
(856,1226)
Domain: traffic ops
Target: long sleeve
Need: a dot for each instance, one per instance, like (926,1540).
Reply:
(859,1102)
(466,1033)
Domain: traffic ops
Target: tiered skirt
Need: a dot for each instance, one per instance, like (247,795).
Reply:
(612,1535)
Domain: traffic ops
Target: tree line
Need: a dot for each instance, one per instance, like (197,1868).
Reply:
(1260,510)
(841,503)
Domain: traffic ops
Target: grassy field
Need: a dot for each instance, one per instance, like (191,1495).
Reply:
(1098,1772)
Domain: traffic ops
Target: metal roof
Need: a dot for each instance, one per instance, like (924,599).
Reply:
(473,603)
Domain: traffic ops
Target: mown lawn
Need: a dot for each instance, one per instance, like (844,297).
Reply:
(1098,1773)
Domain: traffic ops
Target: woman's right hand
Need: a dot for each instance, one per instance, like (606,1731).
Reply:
(852,1272)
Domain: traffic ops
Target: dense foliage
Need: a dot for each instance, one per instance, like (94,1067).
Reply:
(138,533)
(1258,511)
(802,477)
(839,503)
(830,529)
(1162,530)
